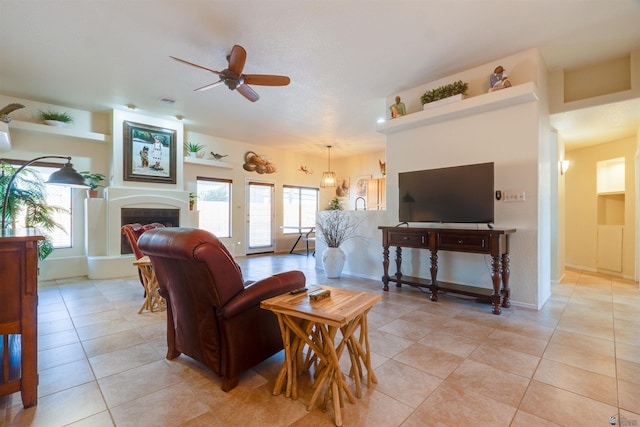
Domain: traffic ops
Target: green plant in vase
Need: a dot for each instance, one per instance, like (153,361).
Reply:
(193,149)
(94,180)
(445,91)
(55,118)
(193,197)
(334,205)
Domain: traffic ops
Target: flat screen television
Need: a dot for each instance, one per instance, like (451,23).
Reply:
(458,194)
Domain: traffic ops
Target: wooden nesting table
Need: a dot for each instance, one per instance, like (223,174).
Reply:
(152,299)
(314,325)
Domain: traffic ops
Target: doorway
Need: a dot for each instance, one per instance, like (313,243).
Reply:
(260,217)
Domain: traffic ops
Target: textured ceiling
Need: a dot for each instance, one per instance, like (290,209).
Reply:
(343,57)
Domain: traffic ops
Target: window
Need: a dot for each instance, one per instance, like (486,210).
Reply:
(56,195)
(214,204)
(300,205)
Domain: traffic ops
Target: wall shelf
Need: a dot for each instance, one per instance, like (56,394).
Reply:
(207,162)
(38,128)
(520,94)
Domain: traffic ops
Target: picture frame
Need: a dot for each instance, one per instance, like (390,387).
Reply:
(342,188)
(149,153)
(360,189)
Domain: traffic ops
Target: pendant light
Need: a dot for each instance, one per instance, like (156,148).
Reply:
(329,177)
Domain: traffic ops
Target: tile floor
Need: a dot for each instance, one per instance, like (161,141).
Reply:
(576,362)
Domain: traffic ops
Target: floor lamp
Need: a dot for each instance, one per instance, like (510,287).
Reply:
(67,175)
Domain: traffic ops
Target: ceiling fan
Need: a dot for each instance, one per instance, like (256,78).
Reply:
(233,78)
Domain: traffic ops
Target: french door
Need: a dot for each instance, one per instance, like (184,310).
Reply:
(260,217)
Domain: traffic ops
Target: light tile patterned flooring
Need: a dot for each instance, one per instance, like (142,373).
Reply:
(576,362)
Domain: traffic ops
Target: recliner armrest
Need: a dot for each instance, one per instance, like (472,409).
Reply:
(262,289)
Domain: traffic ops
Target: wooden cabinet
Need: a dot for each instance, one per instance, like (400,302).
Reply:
(493,242)
(377,194)
(18,313)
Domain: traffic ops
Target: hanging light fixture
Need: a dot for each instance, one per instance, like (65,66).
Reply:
(329,177)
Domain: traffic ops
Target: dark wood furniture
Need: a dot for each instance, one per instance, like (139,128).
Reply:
(18,313)
(494,242)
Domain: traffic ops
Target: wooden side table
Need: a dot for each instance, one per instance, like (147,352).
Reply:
(314,325)
(18,313)
(152,299)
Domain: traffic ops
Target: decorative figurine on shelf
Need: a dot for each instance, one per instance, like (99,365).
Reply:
(4,112)
(398,109)
(499,79)
(217,156)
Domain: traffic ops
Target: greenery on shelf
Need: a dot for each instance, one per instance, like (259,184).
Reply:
(445,91)
(28,195)
(193,148)
(57,116)
(93,179)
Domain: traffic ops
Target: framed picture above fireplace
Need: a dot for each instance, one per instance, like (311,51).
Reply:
(149,153)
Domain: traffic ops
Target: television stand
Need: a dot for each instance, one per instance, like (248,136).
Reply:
(494,242)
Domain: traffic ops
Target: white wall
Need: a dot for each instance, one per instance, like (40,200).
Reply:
(582,205)
(514,138)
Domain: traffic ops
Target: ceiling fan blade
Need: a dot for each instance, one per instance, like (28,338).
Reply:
(237,59)
(209,86)
(248,93)
(196,65)
(266,80)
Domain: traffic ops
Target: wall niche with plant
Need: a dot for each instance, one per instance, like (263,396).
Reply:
(445,91)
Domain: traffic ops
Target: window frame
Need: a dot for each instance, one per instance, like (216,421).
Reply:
(286,230)
(229,182)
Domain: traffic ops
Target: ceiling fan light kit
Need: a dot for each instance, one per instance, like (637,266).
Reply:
(233,78)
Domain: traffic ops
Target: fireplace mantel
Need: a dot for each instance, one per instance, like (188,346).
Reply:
(103,224)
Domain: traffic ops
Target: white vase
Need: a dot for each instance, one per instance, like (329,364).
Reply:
(56,123)
(333,262)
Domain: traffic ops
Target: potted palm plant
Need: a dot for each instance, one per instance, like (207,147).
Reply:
(334,227)
(94,180)
(28,195)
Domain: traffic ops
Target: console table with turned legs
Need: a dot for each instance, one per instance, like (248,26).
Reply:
(493,242)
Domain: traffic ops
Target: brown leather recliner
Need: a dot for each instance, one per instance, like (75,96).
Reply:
(213,316)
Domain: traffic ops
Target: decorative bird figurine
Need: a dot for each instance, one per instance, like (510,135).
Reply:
(4,112)
(304,169)
(217,156)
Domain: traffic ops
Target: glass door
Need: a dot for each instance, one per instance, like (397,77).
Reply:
(260,217)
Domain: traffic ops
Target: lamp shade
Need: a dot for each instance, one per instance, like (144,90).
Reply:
(67,175)
(328,179)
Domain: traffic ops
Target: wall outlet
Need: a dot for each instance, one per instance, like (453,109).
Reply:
(514,196)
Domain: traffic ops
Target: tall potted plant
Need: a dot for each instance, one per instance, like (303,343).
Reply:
(334,227)
(28,195)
